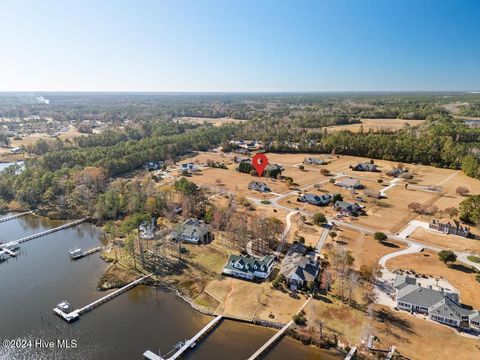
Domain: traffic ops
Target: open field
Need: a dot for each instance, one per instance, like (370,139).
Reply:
(262,300)
(445,241)
(459,275)
(310,232)
(213,121)
(365,249)
(233,181)
(419,339)
(375,125)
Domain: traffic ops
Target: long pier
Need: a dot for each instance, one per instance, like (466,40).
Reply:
(11,217)
(275,337)
(46,232)
(75,314)
(86,253)
(188,344)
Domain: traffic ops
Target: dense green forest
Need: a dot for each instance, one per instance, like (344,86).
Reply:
(76,178)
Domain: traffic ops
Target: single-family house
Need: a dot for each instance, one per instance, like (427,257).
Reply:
(317,200)
(299,268)
(250,268)
(193,231)
(146,229)
(313,161)
(154,165)
(364,167)
(190,167)
(439,305)
(349,183)
(258,186)
(16,150)
(239,159)
(397,172)
(346,208)
(449,226)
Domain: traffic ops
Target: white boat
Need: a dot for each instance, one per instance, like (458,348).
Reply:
(64,306)
(75,252)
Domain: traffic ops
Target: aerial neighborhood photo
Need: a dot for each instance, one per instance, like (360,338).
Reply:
(240,180)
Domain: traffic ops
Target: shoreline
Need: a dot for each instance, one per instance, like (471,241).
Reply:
(292,333)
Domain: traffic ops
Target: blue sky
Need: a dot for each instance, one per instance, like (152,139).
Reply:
(243,45)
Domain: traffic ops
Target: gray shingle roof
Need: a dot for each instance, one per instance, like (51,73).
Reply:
(447,308)
(424,297)
(248,264)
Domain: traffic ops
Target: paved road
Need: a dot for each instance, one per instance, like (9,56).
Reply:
(461,255)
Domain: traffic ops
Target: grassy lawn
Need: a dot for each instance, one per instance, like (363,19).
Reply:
(474,259)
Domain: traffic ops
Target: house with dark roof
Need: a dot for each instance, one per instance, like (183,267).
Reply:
(299,268)
(317,200)
(397,172)
(313,161)
(439,305)
(193,231)
(154,165)
(258,186)
(449,226)
(190,167)
(364,167)
(348,209)
(349,183)
(249,268)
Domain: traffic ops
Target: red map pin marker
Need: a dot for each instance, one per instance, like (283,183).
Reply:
(259,162)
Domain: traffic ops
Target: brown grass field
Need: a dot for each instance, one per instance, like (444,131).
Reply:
(262,299)
(376,125)
(420,339)
(459,275)
(446,241)
(365,249)
(213,121)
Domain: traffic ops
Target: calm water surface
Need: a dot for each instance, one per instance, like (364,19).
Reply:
(142,319)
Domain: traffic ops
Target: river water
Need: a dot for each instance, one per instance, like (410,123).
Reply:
(141,319)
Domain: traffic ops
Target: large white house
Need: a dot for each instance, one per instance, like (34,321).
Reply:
(439,305)
(249,268)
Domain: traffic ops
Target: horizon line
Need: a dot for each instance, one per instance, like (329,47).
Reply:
(469,91)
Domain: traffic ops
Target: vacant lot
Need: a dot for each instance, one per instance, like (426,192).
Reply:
(311,233)
(376,125)
(446,241)
(459,275)
(365,249)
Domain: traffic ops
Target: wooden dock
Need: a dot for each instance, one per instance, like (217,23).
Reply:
(46,232)
(11,217)
(188,344)
(351,353)
(260,352)
(390,353)
(75,314)
(86,253)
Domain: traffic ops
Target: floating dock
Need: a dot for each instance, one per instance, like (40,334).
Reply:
(11,217)
(75,314)
(188,344)
(80,255)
